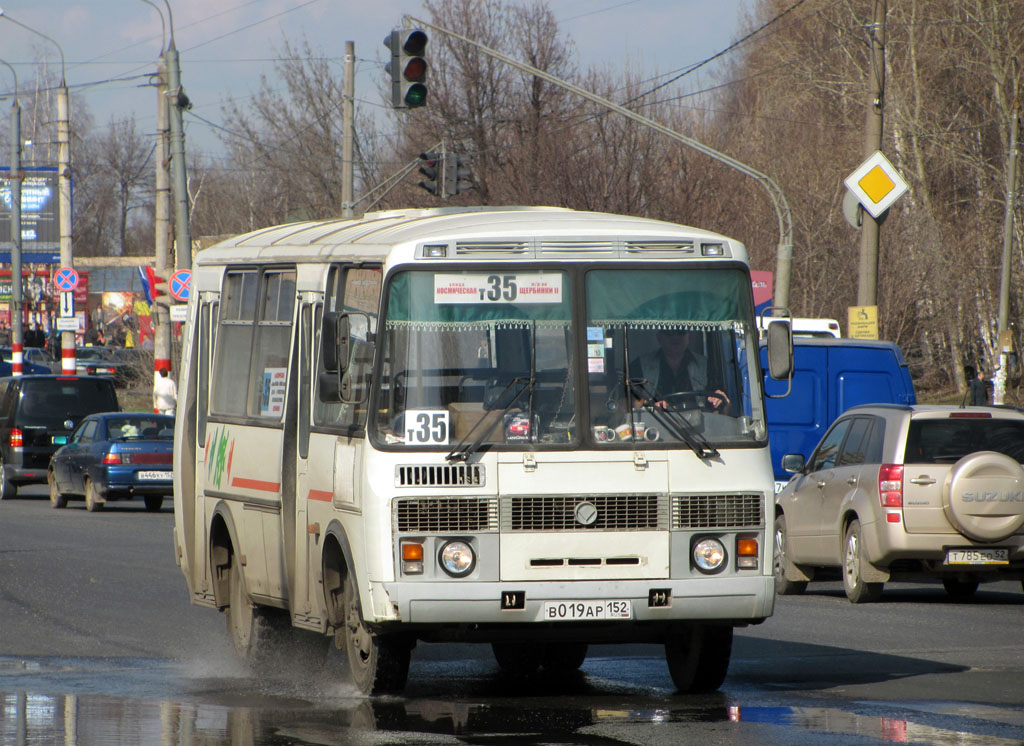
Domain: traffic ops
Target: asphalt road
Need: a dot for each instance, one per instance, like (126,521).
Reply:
(99,645)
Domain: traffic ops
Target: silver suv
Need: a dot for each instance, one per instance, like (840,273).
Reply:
(895,492)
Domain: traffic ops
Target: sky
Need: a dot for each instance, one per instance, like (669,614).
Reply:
(111,46)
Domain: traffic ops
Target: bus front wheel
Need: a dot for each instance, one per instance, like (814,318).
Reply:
(698,657)
(379,663)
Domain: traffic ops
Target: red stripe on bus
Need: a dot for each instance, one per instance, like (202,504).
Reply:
(321,495)
(256,484)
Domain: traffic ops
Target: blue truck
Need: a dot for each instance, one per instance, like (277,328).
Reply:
(829,377)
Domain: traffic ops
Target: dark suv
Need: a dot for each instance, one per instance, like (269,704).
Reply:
(37,414)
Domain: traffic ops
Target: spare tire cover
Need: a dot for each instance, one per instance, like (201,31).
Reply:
(983,496)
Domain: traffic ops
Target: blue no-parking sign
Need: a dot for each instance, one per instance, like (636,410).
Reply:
(180,284)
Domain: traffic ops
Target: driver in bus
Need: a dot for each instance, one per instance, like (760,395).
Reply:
(674,368)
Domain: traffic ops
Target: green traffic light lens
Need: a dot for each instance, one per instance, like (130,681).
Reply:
(416,95)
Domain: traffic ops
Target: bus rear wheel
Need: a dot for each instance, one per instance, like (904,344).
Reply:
(378,663)
(256,631)
(698,657)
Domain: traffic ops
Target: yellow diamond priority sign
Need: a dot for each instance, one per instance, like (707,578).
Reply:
(877,184)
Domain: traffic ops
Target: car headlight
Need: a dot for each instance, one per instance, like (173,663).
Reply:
(709,555)
(457,558)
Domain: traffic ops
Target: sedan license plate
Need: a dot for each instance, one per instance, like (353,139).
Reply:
(578,611)
(145,475)
(978,556)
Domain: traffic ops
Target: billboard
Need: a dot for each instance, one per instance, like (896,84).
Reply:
(40,216)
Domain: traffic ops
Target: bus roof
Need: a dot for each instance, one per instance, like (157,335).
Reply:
(473,230)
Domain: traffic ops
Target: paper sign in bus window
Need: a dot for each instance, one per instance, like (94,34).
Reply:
(274,384)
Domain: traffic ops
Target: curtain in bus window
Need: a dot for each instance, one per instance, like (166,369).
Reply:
(697,299)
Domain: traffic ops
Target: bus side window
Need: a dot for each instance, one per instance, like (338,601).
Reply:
(352,289)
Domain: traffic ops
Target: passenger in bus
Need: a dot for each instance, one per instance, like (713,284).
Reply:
(675,369)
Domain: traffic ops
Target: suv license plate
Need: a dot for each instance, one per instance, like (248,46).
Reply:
(977,556)
(575,611)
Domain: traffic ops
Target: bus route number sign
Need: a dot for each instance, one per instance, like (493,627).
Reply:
(426,427)
(512,287)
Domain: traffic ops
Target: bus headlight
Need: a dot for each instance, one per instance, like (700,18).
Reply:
(457,559)
(709,555)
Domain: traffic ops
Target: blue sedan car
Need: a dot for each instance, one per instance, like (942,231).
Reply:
(115,456)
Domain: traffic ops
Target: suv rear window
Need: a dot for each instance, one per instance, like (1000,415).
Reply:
(947,441)
(46,400)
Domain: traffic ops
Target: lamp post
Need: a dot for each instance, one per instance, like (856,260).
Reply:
(64,189)
(14,178)
(176,96)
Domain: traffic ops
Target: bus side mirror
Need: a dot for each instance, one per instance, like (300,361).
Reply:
(780,350)
(334,341)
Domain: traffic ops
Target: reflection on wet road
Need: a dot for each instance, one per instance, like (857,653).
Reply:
(614,701)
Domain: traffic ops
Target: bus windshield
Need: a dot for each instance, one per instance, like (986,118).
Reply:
(495,357)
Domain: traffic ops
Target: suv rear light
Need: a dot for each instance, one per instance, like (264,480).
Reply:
(890,485)
(111,458)
(17,438)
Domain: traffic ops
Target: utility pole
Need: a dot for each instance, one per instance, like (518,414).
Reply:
(15,176)
(67,338)
(347,124)
(784,256)
(1005,335)
(182,230)
(162,328)
(867,281)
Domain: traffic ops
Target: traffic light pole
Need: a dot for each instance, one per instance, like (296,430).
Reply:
(784,256)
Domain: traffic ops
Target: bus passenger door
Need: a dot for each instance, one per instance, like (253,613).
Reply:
(314,474)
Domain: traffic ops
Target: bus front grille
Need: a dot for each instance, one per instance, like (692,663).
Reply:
(440,475)
(717,511)
(583,513)
(426,515)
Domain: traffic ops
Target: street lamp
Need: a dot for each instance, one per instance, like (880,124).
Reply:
(64,188)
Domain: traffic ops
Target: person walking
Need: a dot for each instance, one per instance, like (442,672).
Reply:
(165,393)
(979,390)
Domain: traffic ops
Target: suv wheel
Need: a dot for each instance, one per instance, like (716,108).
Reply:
(959,590)
(784,586)
(856,589)
(8,489)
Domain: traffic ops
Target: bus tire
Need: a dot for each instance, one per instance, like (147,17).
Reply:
(255,631)
(698,657)
(518,658)
(564,658)
(378,663)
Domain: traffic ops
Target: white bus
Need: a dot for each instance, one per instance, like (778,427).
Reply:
(439,425)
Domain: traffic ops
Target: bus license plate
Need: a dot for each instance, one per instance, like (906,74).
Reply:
(579,611)
(977,556)
(144,475)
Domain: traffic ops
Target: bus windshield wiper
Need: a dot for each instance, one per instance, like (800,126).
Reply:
(461,451)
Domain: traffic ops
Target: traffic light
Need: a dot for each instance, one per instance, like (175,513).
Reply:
(431,168)
(456,177)
(407,67)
